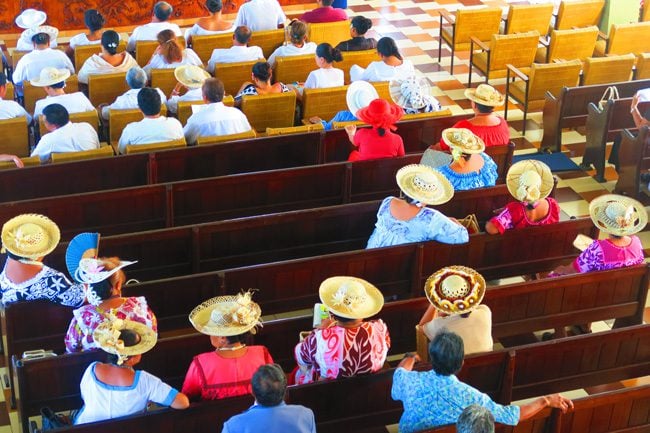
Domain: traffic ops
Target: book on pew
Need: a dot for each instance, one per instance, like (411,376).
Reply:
(37,354)
(320,313)
(581,242)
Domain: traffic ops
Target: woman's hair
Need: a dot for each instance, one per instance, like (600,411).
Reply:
(241,338)
(94,20)
(41,39)
(104,288)
(169,48)
(214,6)
(297,32)
(446,352)
(485,109)
(361,24)
(262,71)
(341,319)
(110,41)
(130,338)
(386,47)
(329,53)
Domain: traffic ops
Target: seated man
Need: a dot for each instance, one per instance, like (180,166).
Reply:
(10,109)
(260,15)
(149,32)
(214,118)
(270,414)
(64,136)
(52,80)
(324,13)
(154,128)
(239,52)
(136,78)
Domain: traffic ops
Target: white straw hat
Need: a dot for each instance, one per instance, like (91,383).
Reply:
(424,184)
(410,92)
(30,18)
(463,139)
(618,215)
(49,76)
(30,236)
(52,32)
(455,289)
(107,338)
(191,76)
(350,297)
(359,95)
(485,94)
(529,180)
(226,316)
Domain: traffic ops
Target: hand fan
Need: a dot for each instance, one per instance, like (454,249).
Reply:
(82,246)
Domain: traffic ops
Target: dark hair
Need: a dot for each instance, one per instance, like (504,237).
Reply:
(213,90)
(56,115)
(169,48)
(213,5)
(381,132)
(465,156)
(110,41)
(386,47)
(41,39)
(241,338)
(446,352)
(341,319)
(361,24)
(297,31)
(3,79)
(327,2)
(104,288)
(94,20)
(475,419)
(329,53)
(162,11)
(59,85)
(485,109)
(243,34)
(130,338)
(262,71)
(149,101)
(269,385)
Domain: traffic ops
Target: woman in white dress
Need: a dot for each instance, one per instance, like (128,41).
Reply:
(109,61)
(95,23)
(298,43)
(170,55)
(326,75)
(391,66)
(210,25)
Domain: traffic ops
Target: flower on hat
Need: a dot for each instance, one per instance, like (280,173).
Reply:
(529,186)
(350,295)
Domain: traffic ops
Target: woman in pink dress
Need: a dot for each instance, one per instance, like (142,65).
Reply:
(378,141)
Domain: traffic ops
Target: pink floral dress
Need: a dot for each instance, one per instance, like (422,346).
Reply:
(603,255)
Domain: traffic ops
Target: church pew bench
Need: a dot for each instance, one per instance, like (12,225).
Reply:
(634,159)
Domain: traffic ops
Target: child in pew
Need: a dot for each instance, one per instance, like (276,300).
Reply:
(114,389)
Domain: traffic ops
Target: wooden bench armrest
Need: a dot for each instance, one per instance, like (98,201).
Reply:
(602,36)
(480,44)
(517,72)
(446,16)
(559,60)
(546,41)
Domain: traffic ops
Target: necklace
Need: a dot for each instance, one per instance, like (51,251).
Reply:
(232,348)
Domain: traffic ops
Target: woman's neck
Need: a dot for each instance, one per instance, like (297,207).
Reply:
(298,44)
(19,272)
(350,324)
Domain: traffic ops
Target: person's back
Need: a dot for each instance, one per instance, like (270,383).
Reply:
(10,109)
(325,13)
(239,52)
(259,15)
(75,102)
(148,32)
(475,329)
(30,65)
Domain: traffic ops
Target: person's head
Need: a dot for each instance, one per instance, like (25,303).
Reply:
(29,237)
(359,26)
(3,85)
(475,419)
(483,109)
(297,32)
(149,101)
(381,115)
(242,35)
(41,40)
(386,47)
(130,339)
(212,90)
(262,72)
(446,352)
(230,340)
(343,319)
(111,286)
(162,11)
(214,6)
(110,41)
(93,20)
(56,116)
(169,48)
(136,77)
(326,55)
(269,385)
(326,2)
(52,89)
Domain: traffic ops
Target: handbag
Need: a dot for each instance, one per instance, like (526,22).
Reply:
(611,93)
(470,222)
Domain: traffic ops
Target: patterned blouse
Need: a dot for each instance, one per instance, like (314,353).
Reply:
(86,319)
(602,255)
(48,284)
(513,216)
(342,352)
(486,176)
(252,90)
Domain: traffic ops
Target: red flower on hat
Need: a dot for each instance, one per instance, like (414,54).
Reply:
(381,114)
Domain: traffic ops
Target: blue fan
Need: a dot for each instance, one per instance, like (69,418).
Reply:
(82,246)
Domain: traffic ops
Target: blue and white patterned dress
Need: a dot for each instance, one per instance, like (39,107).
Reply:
(48,284)
(486,176)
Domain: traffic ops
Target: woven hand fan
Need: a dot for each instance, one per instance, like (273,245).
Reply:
(82,246)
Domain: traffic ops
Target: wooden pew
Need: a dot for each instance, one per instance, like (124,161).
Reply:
(634,159)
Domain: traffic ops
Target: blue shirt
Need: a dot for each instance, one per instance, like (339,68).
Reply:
(486,176)
(432,400)
(341,116)
(283,418)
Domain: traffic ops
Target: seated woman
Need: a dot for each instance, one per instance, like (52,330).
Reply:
(391,65)
(28,20)
(94,21)
(170,55)
(455,294)
(210,25)
(226,371)
(401,222)
(114,389)
(378,141)
(326,75)
(109,61)
(27,239)
(358,28)
(469,167)
(261,84)
(191,79)
(297,43)
(530,182)
(104,280)
(344,345)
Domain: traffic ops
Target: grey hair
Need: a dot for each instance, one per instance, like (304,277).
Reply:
(475,419)
(136,78)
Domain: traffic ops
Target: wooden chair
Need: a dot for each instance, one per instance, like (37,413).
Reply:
(578,13)
(517,50)
(642,68)
(84,52)
(361,58)
(184,110)
(289,69)
(29,161)
(163,79)
(31,94)
(645,12)
(15,56)
(333,33)
(268,40)
(625,38)
(90,117)
(204,45)
(295,129)
(568,45)
(103,152)
(105,88)
(324,103)
(155,147)
(480,23)
(274,110)
(537,80)
(118,119)
(525,18)
(144,50)
(233,75)
(610,69)
(15,136)
(215,139)
(11,91)
(382,90)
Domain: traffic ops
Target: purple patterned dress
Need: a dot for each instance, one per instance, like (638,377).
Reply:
(602,255)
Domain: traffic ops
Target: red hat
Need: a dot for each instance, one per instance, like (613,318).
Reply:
(380,114)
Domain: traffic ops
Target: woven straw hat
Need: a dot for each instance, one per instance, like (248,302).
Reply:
(529,180)
(359,95)
(30,18)
(49,76)
(350,297)
(91,271)
(410,92)
(191,76)
(30,236)
(485,94)
(424,184)
(463,139)
(107,338)
(225,316)
(52,32)
(618,215)
(455,289)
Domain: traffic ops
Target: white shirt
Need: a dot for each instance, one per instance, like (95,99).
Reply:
(292,50)
(322,78)
(475,329)
(158,61)
(380,71)
(25,44)
(197,30)
(82,39)
(128,101)
(150,130)
(149,32)
(260,15)
(95,64)
(236,53)
(30,65)
(644,95)
(215,119)
(73,137)
(12,109)
(190,95)
(75,102)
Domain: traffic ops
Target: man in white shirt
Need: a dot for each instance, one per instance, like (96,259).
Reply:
(10,109)
(154,128)
(31,64)
(52,80)
(214,118)
(260,15)
(136,78)
(239,52)
(64,136)
(149,32)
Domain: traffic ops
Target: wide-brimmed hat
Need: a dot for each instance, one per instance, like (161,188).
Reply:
(424,184)
(52,32)
(359,95)
(49,76)
(455,289)
(410,92)
(191,76)
(225,316)
(30,18)
(618,215)
(463,139)
(350,297)
(92,271)
(529,180)
(380,114)
(107,338)
(485,94)
(30,236)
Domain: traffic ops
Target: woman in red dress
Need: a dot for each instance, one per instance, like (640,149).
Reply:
(378,141)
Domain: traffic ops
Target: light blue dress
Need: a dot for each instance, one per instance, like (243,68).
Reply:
(427,225)
(486,176)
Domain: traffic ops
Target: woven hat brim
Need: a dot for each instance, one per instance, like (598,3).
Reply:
(39,18)
(395,91)
(463,149)
(404,178)
(355,89)
(393,115)
(597,213)
(471,95)
(52,32)
(180,77)
(518,168)
(36,82)
(200,319)
(453,270)
(49,226)
(331,285)
(148,338)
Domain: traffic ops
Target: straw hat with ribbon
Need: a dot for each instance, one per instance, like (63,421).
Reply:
(529,180)
(455,289)
(52,32)
(359,95)
(485,94)
(107,338)
(380,114)
(49,76)
(191,76)
(618,215)
(350,297)
(424,184)
(30,18)
(30,236)
(462,140)
(92,271)
(225,316)
(410,92)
